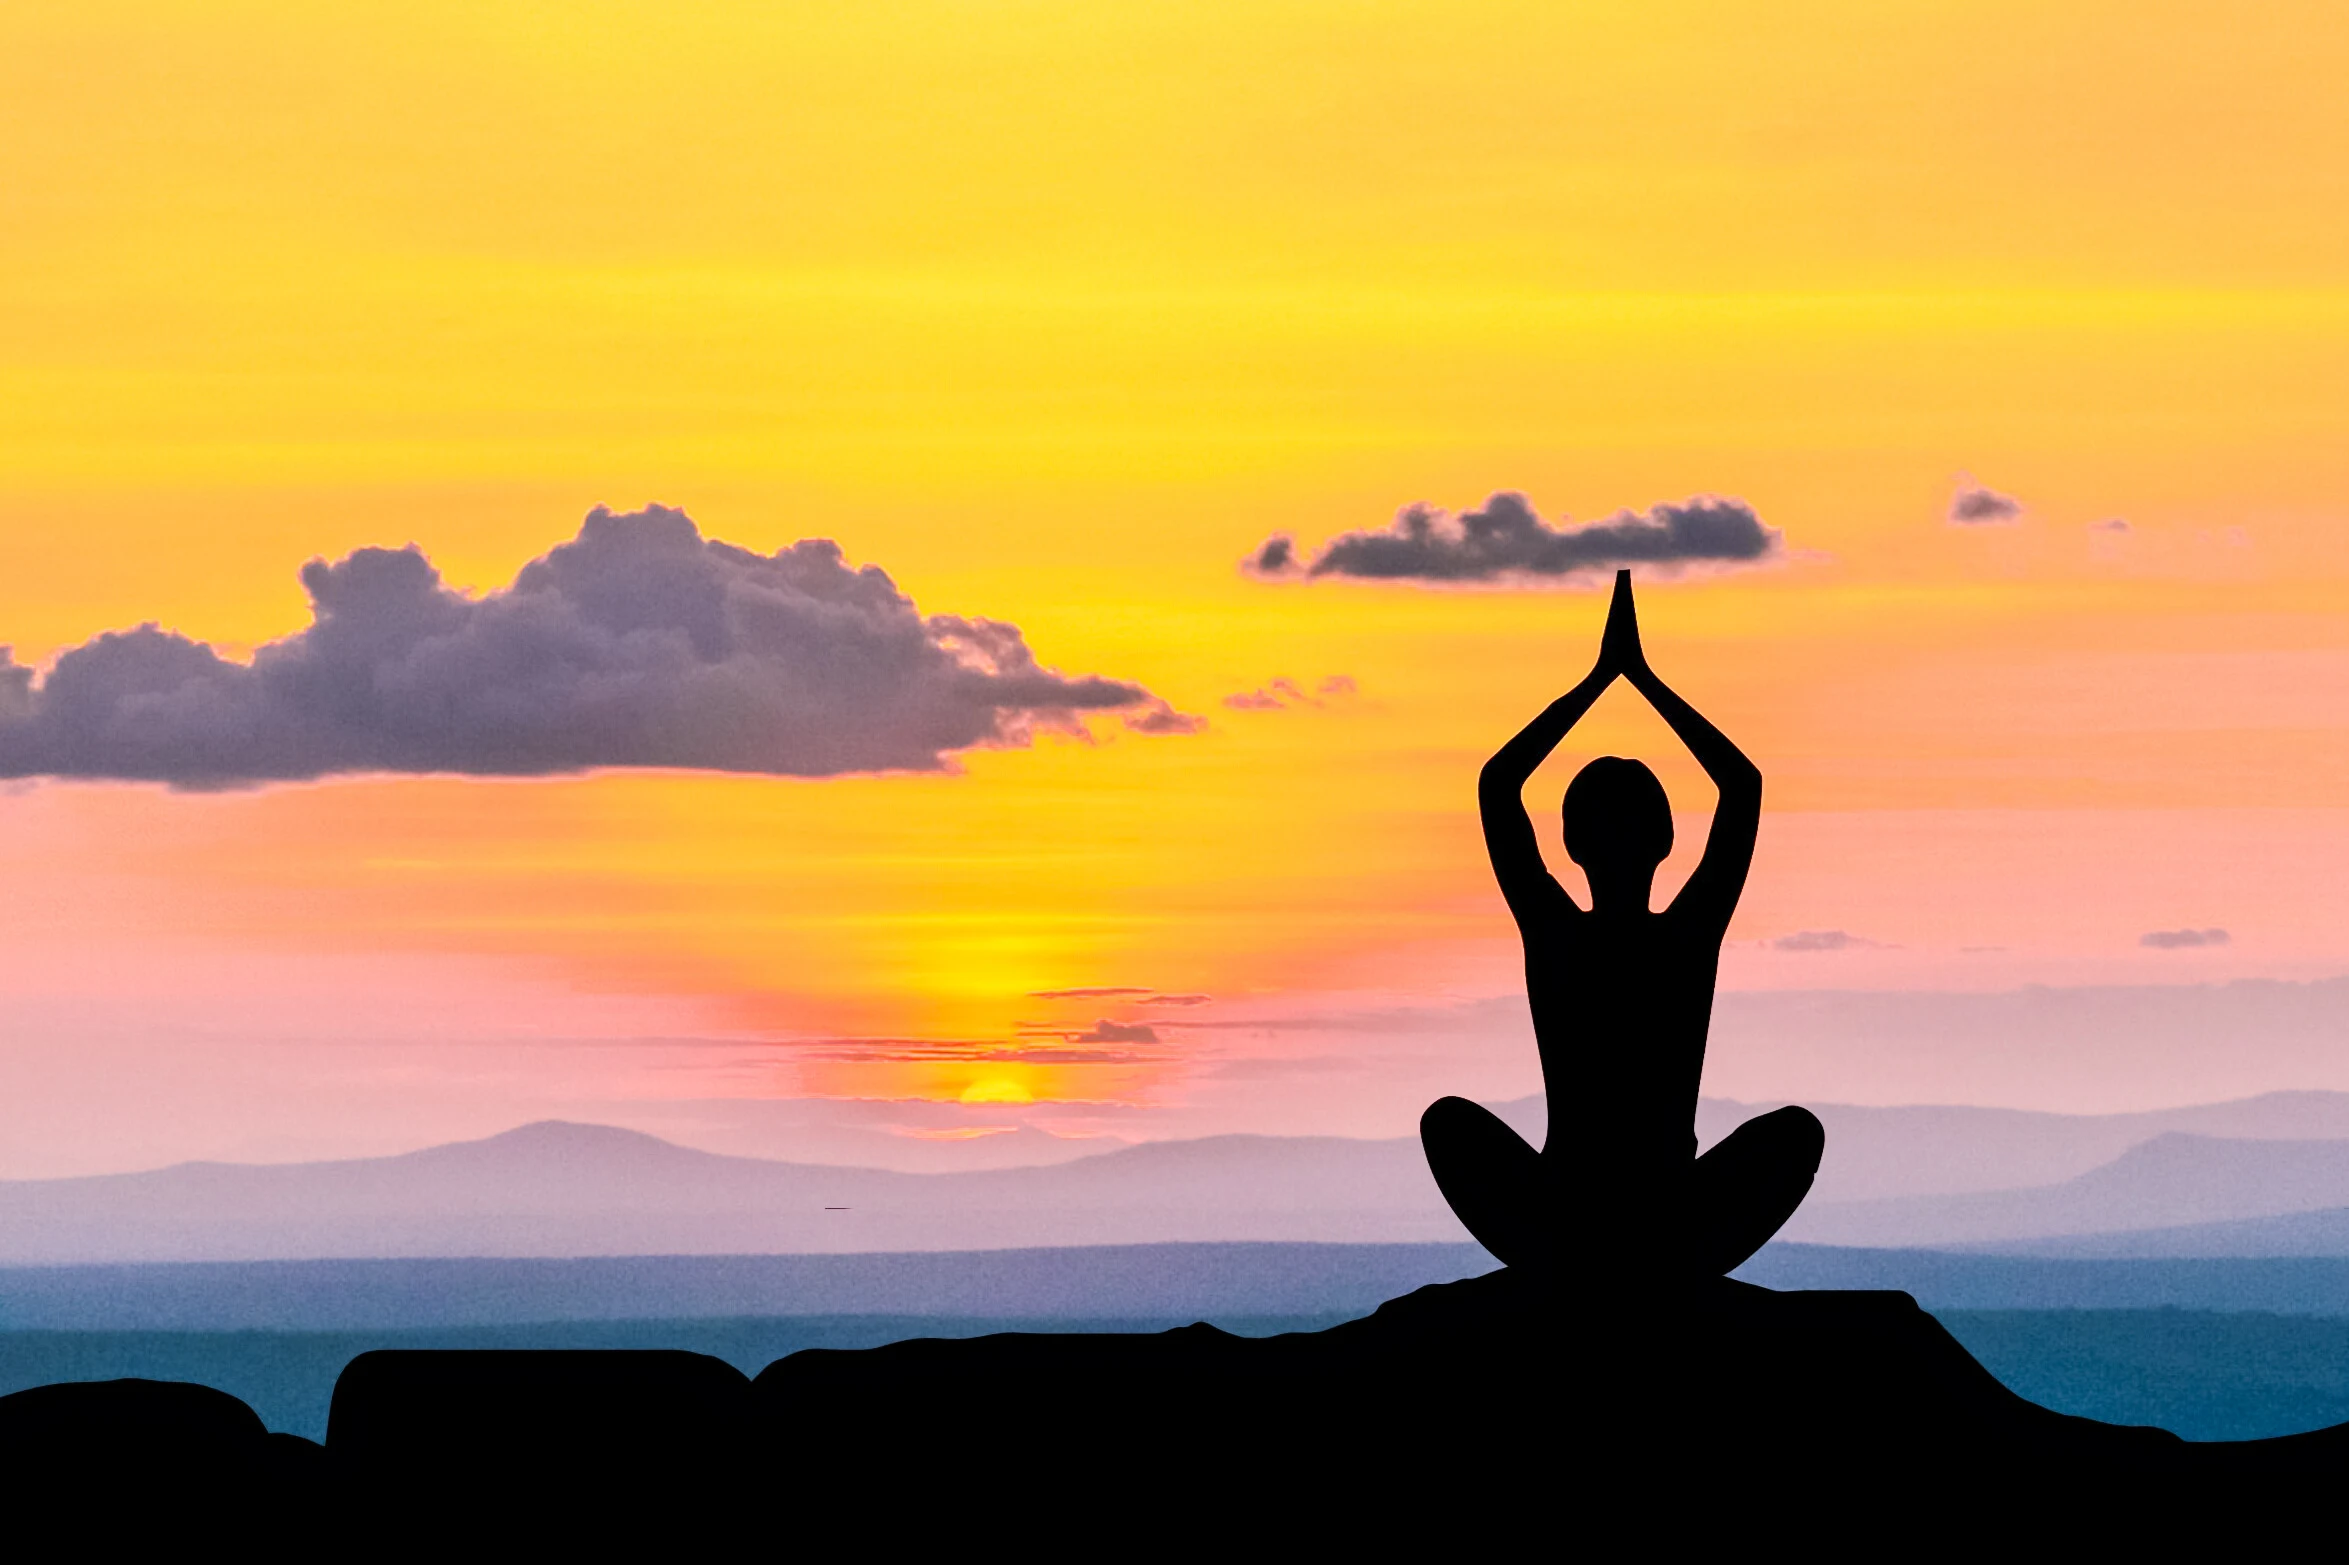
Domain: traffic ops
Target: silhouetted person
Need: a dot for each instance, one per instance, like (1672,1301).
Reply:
(1622,998)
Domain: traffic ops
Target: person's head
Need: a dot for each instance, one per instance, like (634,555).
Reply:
(1618,821)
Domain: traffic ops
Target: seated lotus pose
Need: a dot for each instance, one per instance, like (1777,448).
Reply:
(1622,997)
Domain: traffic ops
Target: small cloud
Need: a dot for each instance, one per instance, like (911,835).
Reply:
(1178,999)
(1037,1047)
(1107,1031)
(1034,1053)
(1161,718)
(2111,524)
(1276,558)
(1280,695)
(1975,505)
(2183,939)
(1822,940)
(1103,992)
(1507,542)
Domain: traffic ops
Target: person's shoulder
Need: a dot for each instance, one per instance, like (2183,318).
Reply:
(1549,908)
(1696,917)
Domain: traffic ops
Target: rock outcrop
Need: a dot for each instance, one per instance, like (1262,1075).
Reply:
(1473,1402)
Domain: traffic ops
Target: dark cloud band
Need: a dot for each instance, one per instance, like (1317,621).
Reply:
(638,644)
(1506,541)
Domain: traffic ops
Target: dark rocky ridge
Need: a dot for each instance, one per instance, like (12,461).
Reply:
(1488,1387)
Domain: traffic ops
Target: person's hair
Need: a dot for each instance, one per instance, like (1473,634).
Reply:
(1615,811)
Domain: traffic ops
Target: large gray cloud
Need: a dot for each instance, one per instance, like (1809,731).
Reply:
(638,643)
(1506,540)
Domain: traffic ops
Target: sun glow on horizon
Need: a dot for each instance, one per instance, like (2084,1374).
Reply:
(996,1089)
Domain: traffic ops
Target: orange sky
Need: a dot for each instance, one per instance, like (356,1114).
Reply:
(1054,312)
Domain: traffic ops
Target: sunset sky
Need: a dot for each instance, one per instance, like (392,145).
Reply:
(1056,313)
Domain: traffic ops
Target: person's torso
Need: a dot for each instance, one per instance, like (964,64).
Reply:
(1621,1009)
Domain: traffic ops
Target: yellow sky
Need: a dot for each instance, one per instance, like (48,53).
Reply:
(1054,311)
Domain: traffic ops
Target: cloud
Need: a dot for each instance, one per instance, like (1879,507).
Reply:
(1042,1054)
(1467,1017)
(638,643)
(1045,1048)
(1282,694)
(2183,939)
(2111,524)
(1117,992)
(1506,541)
(1822,940)
(1974,505)
(1102,1031)
(1107,1031)
(16,688)
(1162,718)
(1033,1053)
(1277,556)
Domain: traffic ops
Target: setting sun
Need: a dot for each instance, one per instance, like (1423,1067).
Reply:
(996,1089)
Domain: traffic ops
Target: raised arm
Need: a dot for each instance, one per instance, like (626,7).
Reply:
(1500,794)
(1712,891)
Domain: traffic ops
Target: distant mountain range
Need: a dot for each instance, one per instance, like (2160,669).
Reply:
(1878,1153)
(556,1189)
(2174,1180)
(1894,1177)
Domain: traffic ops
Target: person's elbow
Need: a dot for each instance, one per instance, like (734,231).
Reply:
(1498,783)
(1740,779)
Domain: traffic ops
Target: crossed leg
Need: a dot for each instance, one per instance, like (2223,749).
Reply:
(1496,1184)
(1745,1189)
(1729,1203)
